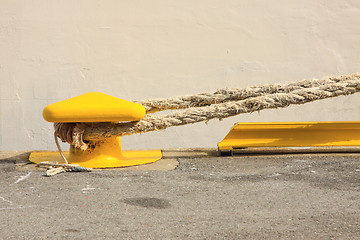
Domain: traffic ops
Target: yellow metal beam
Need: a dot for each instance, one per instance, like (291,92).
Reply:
(291,134)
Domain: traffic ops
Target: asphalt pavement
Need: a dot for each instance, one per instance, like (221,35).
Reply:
(204,196)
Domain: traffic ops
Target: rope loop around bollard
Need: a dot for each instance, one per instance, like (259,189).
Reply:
(221,104)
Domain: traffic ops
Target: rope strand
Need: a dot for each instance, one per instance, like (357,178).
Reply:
(227,95)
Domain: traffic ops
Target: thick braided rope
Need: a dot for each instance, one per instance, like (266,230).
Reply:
(227,95)
(94,132)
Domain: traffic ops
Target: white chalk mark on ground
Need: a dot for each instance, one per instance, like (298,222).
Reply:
(275,175)
(11,208)
(5,200)
(22,178)
(88,188)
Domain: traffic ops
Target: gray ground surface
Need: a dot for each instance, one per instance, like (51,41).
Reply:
(300,196)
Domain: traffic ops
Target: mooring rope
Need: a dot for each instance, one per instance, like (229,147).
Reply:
(206,106)
(227,95)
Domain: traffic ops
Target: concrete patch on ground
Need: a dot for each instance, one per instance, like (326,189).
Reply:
(168,162)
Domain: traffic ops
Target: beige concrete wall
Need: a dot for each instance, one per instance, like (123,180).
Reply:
(53,50)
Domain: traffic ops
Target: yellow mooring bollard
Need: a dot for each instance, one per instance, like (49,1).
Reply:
(97,107)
